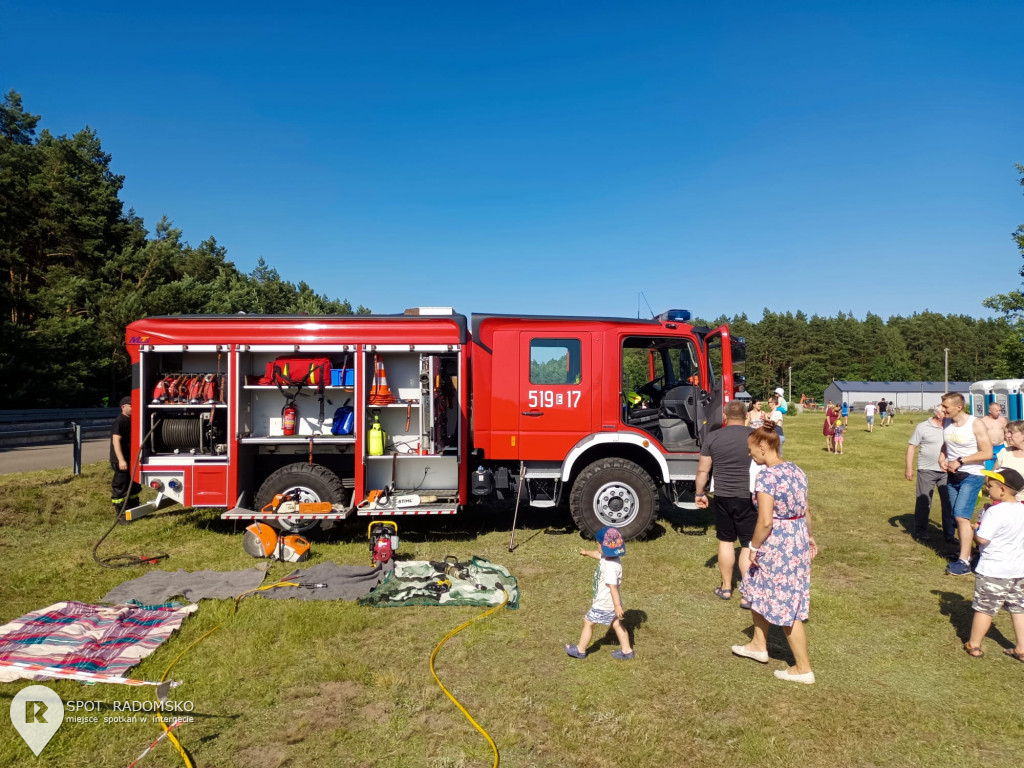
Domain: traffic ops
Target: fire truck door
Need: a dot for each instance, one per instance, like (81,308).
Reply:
(557,389)
(717,378)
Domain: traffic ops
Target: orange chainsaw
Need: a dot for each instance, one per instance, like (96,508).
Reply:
(289,504)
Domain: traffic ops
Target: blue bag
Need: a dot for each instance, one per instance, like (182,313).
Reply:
(344,420)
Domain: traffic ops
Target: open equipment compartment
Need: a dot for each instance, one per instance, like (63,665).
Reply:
(185,396)
(260,415)
(421,421)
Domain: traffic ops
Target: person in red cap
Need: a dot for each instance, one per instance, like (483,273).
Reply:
(999,574)
(607,605)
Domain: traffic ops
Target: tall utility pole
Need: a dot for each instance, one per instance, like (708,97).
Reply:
(945,385)
(790,398)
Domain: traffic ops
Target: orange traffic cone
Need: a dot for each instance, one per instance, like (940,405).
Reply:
(380,393)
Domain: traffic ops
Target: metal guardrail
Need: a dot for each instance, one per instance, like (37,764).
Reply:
(36,415)
(44,426)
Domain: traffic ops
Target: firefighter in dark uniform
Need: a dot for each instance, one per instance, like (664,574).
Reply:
(120,449)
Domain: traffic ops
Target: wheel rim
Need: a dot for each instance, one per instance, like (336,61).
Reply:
(616,504)
(305,496)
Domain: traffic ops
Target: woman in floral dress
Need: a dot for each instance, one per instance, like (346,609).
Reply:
(778,583)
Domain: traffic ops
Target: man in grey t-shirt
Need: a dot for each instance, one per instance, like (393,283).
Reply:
(726,451)
(928,436)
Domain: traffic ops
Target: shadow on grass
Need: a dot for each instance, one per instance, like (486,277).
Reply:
(469,524)
(934,539)
(472,522)
(689,522)
(631,621)
(778,645)
(958,609)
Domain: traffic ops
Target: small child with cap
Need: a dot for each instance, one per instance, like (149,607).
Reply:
(839,436)
(999,575)
(607,605)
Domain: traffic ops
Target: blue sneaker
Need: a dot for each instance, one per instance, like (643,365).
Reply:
(958,568)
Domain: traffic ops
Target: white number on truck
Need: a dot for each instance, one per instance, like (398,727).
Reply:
(547,398)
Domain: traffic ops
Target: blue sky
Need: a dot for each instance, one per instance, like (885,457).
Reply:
(542,157)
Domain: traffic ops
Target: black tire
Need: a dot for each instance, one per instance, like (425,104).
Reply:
(313,482)
(614,492)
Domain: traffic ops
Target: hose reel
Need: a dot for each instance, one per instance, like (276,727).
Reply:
(187,434)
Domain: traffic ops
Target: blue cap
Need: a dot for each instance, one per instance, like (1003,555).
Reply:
(610,541)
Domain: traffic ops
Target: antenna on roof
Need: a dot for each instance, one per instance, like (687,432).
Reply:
(645,302)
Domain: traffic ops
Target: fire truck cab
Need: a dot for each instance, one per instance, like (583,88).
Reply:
(605,413)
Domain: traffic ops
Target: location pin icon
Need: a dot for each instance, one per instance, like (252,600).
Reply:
(37,712)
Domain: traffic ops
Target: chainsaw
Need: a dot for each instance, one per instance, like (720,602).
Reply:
(289,504)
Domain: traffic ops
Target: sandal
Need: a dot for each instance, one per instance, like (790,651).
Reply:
(575,652)
(1013,653)
(744,604)
(974,651)
(724,594)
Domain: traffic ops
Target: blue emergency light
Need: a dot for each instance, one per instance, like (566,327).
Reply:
(672,315)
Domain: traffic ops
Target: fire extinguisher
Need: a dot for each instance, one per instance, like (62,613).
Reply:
(288,415)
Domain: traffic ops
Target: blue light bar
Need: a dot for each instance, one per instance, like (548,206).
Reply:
(671,315)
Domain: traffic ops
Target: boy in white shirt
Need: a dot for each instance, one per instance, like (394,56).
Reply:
(999,575)
(607,605)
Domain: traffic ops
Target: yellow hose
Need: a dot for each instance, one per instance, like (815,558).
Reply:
(170,736)
(455,701)
(184,755)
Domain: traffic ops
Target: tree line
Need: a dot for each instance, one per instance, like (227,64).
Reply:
(822,349)
(78,268)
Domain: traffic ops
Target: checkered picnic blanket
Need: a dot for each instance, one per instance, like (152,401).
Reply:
(87,638)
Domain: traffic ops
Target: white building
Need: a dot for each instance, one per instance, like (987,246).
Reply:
(908,395)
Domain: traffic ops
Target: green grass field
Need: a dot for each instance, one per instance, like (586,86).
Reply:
(291,683)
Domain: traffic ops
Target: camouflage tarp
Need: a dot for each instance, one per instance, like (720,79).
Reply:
(423,582)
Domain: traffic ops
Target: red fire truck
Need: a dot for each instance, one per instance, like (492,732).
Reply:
(425,412)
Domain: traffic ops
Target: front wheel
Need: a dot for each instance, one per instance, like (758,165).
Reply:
(614,492)
(311,483)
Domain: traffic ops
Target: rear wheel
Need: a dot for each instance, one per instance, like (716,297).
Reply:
(310,483)
(614,492)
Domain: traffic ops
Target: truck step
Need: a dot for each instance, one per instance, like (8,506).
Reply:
(160,502)
(432,509)
(241,513)
(247,515)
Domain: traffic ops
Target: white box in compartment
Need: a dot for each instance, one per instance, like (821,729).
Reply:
(304,425)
